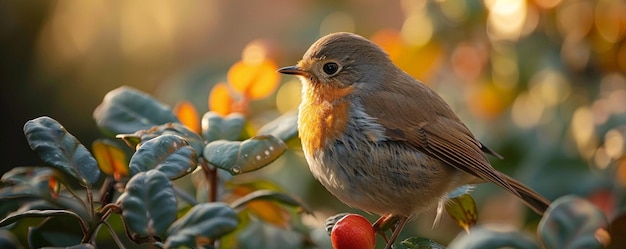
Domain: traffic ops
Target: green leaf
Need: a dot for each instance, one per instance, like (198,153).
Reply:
(142,136)
(204,222)
(126,110)
(148,203)
(463,210)
(418,243)
(284,127)
(482,237)
(267,195)
(571,222)
(215,127)
(169,154)
(59,149)
(241,157)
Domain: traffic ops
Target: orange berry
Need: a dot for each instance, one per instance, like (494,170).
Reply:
(353,231)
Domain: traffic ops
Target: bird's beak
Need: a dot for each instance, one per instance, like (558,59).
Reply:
(295,70)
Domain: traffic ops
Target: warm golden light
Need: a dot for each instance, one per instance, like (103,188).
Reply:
(549,87)
(583,131)
(527,111)
(614,143)
(288,96)
(337,22)
(417,29)
(575,19)
(506,19)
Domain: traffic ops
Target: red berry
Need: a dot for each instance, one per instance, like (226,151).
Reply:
(353,231)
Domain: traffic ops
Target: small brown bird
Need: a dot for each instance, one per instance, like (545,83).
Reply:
(380,140)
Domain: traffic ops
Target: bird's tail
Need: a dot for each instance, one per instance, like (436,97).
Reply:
(532,199)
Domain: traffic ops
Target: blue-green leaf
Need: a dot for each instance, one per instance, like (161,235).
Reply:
(28,186)
(258,234)
(169,154)
(55,232)
(8,240)
(59,149)
(418,243)
(148,203)
(485,237)
(135,139)
(216,127)
(571,222)
(204,222)
(37,213)
(125,110)
(240,157)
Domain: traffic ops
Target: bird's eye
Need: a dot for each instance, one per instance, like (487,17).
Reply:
(330,68)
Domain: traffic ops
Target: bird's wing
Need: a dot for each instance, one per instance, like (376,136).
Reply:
(417,116)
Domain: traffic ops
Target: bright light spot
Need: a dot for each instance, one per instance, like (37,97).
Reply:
(575,19)
(607,20)
(526,111)
(601,159)
(254,53)
(550,87)
(547,4)
(504,69)
(454,10)
(582,130)
(506,19)
(614,143)
(417,29)
(236,170)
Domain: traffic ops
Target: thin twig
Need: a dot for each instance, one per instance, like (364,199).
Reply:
(92,210)
(117,240)
(185,196)
(82,202)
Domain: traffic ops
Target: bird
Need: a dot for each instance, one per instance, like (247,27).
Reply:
(380,140)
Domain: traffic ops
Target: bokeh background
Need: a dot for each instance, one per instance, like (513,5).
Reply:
(543,82)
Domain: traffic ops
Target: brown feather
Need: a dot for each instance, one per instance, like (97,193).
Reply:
(429,125)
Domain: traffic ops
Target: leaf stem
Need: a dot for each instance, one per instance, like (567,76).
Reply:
(210,173)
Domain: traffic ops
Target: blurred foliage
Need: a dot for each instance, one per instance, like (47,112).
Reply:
(543,82)
(141,190)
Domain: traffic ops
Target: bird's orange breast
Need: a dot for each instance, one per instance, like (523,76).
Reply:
(323,116)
